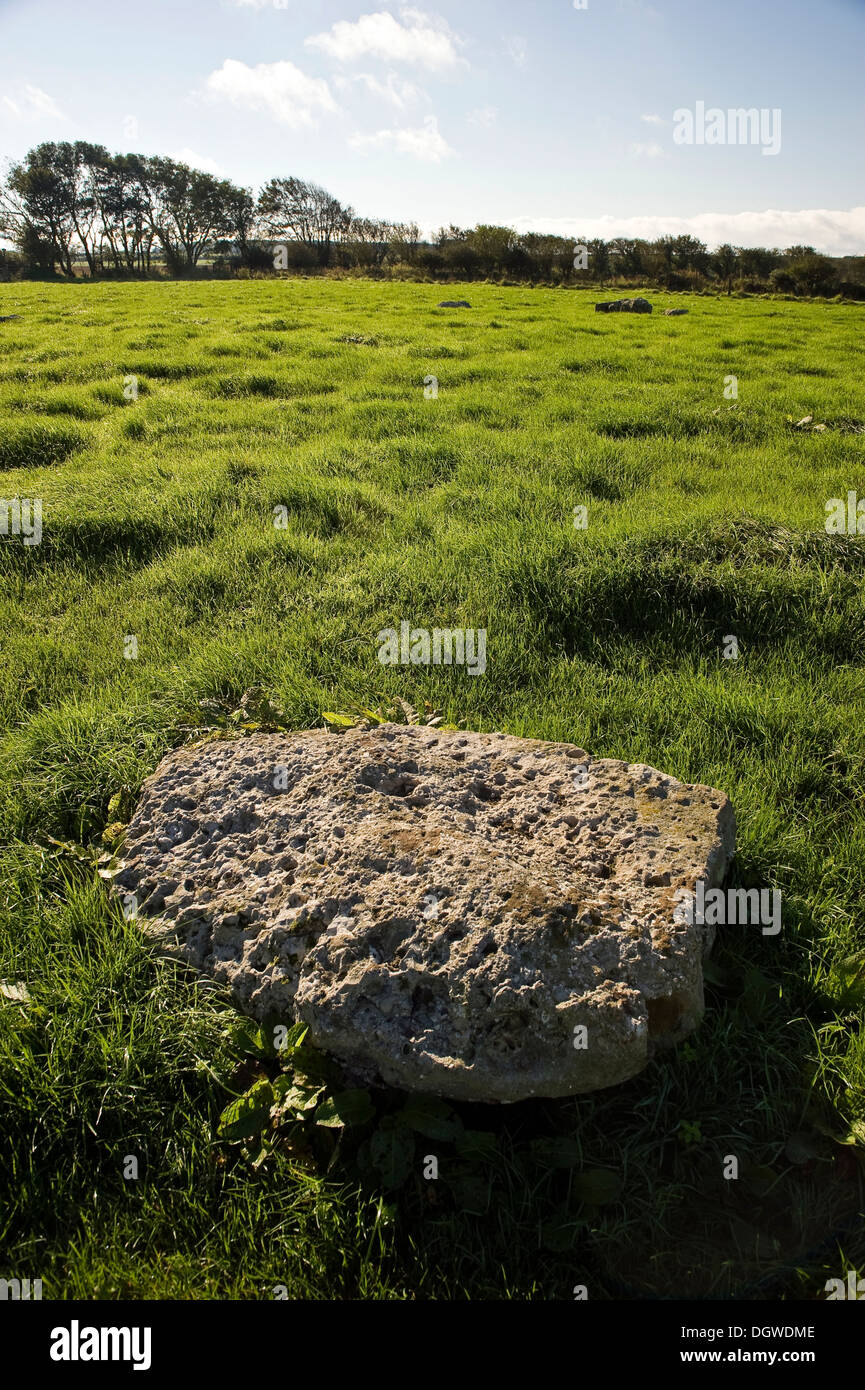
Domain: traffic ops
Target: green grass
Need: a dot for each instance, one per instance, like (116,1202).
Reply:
(705,519)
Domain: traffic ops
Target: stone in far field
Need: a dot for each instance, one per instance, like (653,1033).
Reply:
(443,909)
(624,306)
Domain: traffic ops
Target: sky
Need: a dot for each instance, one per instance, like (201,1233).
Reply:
(538,115)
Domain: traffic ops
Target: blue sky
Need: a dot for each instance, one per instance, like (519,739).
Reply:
(534,114)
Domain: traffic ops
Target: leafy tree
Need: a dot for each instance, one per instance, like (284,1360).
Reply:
(725,262)
(781,281)
(492,246)
(599,259)
(550,257)
(36,204)
(627,255)
(813,273)
(689,254)
(458,256)
(186,209)
(369,240)
(757,262)
(240,222)
(306,212)
(38,256)
(404,240)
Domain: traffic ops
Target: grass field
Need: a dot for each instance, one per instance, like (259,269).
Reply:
(705,521)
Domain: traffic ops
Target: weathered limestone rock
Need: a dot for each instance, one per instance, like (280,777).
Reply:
(624,306)
(674,313)
(454,304)
(446,911)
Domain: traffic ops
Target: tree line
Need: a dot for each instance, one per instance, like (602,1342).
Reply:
(68,206)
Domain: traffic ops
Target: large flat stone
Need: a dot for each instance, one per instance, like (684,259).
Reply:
(442,909)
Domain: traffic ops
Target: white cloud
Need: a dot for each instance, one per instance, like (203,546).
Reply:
(423,142)
(396,90)
(652,150)
(835,232)
(516,49)
(485,116)
(654,120)
(31,103)
(263,4)
(288,94)
(424,40)
(197,161)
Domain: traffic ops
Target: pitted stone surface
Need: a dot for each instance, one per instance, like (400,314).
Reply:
(443,909)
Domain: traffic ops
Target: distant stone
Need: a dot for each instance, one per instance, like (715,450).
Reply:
(481,917)
(455,304)
(671,313)
(624,306)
